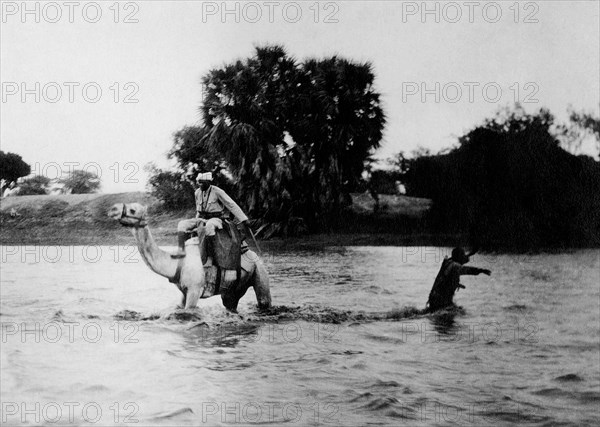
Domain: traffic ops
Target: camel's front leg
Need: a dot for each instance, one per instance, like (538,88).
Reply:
(192,297)
(261,286)
(183,298)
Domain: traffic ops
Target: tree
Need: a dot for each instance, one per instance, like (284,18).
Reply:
(190,147)
(294,135)
(170,188)
(12,167)
(81,182)
(35,185)
(510,185)
(582,126)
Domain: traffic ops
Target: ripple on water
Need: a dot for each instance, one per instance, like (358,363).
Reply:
(516,307)
(95,388)
(514,416)
(384,405)
(569,378)
(585,397)
(58,316)
(538,275)
(346,353)
(384,384)
(178,414)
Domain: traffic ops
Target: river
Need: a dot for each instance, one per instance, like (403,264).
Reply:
(524,350)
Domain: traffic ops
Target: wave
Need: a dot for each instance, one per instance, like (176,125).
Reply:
(318,314)
(590,396)
(308,313)
(569,378)
(516,307)
(173,414)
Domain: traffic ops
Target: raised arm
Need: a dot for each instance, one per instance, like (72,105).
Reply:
(472,271)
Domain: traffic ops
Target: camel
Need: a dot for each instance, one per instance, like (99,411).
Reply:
(188,273)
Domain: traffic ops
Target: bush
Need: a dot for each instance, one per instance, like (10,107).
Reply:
(36,185)
(168,187)
(509,185)
(384,181)
(81,182)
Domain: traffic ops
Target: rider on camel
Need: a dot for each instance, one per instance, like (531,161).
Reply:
(211,206)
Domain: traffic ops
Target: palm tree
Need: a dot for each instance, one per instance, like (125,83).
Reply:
(347,123)
(294,135)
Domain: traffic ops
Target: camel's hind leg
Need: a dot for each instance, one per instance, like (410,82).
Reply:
(260,283)
(233,290)
(259,280)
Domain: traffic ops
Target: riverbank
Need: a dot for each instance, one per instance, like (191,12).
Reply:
(81,219)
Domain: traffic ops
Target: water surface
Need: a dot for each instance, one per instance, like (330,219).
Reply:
(525,350)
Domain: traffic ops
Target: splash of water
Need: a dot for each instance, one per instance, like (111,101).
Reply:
(309,313)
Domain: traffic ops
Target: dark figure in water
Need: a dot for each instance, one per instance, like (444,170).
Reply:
(448,279)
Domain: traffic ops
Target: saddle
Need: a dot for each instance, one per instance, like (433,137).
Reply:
(227,247)
(227,254)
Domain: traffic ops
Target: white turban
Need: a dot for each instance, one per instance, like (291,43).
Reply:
(207,176)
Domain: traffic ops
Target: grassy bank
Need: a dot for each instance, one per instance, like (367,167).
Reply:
(81,220)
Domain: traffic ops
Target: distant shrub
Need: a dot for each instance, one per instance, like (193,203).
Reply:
(37,185)
(81,182)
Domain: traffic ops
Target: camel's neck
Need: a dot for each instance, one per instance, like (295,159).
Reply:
(158,260)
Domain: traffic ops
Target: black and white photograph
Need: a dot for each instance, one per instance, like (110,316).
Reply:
(299,213)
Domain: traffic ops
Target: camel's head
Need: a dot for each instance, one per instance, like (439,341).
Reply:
(129,215)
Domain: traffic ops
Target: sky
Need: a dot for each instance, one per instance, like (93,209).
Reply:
(102,86)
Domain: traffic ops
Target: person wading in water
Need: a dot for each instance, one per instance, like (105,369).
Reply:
(448,279)
(211,205)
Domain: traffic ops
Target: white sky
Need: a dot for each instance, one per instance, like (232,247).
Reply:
(174,44)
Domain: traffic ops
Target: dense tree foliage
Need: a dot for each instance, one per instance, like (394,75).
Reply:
(81,182)
(582,126)
(384,181)
(190,147)
(12,167)
(510,185)
(35,185)
(293,135)
(169,187)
